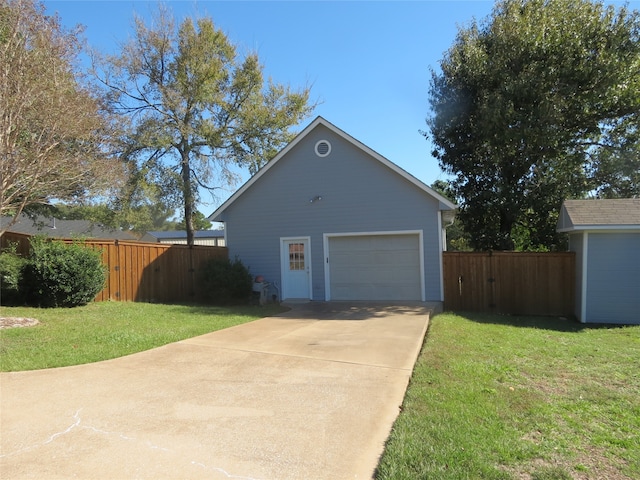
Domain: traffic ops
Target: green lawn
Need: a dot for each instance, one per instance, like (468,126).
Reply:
(491,397)
(498,397)
(99,331)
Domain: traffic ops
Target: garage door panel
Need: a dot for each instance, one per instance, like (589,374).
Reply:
(375,267)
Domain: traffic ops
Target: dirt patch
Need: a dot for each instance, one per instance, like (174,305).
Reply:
(588,465)
(11,322)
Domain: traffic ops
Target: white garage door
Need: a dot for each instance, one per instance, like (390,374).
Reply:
(375,267)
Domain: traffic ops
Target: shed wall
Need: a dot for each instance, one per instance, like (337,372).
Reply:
(576,244)
(613,278)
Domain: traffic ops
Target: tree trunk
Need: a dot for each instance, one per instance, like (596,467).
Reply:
(188,196)
(506,225)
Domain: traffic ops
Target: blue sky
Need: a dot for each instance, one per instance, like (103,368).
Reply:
(367,62)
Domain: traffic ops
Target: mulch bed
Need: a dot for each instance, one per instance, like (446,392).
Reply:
(11,322)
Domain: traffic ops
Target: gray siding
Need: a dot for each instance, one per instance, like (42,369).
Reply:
(576,245)
(613,278)
(359,194)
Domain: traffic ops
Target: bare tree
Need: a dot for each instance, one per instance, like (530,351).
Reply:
(51,128)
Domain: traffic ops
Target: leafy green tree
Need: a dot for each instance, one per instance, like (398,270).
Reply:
(51,126)
(97,213)
(532,106)
(616,170)
(137,219)
(195,108)
(200,222)
(457,238)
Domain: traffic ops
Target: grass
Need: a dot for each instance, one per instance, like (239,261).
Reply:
(498,397)
(491,397)
(104,330)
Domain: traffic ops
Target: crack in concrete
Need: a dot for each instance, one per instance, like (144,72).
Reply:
(64,432)
(49,440)
(78,424)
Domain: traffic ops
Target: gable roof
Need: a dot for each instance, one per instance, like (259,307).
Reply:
(445,204)
(615,214)
(56,228)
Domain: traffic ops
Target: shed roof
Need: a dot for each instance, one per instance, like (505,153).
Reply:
(599,214)
(445,204)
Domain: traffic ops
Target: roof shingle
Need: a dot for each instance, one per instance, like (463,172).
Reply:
(577,214)
(56,228)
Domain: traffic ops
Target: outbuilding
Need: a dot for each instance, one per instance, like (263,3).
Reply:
(212,238)
(605,235)
(330,219)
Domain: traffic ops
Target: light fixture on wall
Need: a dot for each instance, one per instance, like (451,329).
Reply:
(317,198)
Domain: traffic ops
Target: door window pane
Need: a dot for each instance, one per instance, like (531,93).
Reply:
(296,256)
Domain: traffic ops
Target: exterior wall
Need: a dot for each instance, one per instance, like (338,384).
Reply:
(359,194)
(613,278)
(210,242)
(576,244)
(564,221)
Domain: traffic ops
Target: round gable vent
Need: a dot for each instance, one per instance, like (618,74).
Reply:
(323,148)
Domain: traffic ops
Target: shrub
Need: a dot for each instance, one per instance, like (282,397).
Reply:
(223,281)
(11,272)
(63,275)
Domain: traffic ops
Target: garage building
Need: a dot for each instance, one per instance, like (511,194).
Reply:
(330,219)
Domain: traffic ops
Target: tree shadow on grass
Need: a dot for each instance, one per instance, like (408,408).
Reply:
(208,309)
(558,324)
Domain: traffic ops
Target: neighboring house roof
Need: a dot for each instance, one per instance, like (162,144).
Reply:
(180,234)
(445,204)
(615,214)
(56,228)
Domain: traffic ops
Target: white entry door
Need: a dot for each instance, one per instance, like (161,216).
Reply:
(295,257)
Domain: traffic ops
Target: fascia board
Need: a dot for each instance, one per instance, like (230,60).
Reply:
(598,228)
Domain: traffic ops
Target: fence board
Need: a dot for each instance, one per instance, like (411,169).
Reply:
(510,282)
(160,272)
(144,272)
(20,240)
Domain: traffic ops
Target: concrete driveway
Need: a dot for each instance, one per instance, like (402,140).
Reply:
(309,394)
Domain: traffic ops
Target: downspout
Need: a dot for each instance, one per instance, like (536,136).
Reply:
(448,216)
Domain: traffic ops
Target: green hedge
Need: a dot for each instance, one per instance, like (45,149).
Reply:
(62,275)
(223,281)
(11,277)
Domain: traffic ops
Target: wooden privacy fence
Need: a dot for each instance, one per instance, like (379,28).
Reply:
(516,283)
(144,272)
(153,272)
(17,240)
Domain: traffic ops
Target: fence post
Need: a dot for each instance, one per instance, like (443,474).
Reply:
(492,282)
